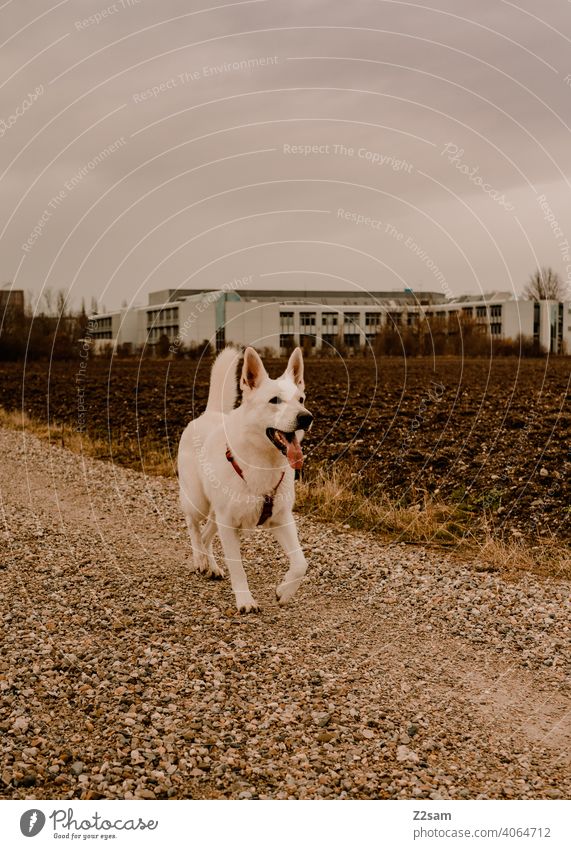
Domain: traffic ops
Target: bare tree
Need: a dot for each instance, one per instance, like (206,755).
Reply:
(61,303)
(544,285)
(48,299)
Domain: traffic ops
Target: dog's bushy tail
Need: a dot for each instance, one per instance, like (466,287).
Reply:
(223,390)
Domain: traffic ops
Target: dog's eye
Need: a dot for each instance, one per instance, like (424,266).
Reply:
(301,400)
(275,400)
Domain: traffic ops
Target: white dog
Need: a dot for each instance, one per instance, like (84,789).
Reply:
(236,467)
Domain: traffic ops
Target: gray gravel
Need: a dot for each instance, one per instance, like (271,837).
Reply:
(396,672)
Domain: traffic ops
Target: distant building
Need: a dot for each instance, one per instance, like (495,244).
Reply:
(278,320)
(13,298)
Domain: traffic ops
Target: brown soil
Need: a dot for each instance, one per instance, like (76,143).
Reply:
(493,436)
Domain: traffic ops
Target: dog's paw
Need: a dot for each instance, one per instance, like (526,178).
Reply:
(215,572)
(199,563)
(192,565)
(208,567)
(248,605)
(287,590)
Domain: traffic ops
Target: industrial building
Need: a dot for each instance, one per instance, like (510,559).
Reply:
(277,320)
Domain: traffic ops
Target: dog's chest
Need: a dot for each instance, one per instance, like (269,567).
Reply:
(258,499)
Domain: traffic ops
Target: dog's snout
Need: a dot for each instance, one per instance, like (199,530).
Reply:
(303,421)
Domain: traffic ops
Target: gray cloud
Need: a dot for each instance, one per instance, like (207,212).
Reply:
(207,107)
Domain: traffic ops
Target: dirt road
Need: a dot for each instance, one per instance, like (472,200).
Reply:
(394,673)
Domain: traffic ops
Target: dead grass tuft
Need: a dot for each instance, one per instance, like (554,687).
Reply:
(336,495)
(145,455)
(512,556)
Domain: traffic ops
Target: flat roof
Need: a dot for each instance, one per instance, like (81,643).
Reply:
(316,296)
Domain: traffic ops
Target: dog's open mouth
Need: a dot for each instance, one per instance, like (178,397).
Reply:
(288,444)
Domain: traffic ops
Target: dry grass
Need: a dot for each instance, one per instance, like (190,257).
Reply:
(336,494)
(152,459)
(496,554)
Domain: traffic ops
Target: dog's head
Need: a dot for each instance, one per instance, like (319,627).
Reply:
(276,408)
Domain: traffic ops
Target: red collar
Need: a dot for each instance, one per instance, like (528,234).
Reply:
(235,465)
(268,506)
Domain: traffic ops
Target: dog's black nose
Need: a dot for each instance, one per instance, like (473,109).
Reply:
(304,421)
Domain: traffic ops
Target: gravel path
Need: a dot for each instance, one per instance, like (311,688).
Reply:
(395,672)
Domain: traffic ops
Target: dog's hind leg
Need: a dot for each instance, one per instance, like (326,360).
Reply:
(199,556)
(286,535)
(208,534)
(195,508)
(203,559)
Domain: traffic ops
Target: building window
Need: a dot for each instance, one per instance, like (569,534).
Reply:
(103,328)
(286,323)
(307,321)
(287,341)
(468,311)
(554,323)
(496,311)
(351,340)
(220,337)
(394,318)
(329,322)
(536,319)
(372,320)
(352,319)
(481,312)
(328,340)
(155,333)
(496,328)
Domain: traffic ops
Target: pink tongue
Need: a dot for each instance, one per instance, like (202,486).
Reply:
(294,454)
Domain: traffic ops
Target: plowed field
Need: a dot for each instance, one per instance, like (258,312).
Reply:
(494,435)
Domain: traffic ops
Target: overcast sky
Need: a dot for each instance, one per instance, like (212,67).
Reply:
(376,145)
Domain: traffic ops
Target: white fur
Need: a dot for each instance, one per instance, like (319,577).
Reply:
(210,488)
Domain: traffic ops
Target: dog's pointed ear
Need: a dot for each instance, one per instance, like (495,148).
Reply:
(253,371)
(295,368)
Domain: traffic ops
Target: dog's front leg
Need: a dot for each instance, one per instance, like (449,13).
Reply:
(230,539)
(286,535)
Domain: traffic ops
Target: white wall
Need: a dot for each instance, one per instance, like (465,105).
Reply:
(249,323)
(517,319)
(567,326)
(197,321)
(126,326)
(545,325)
